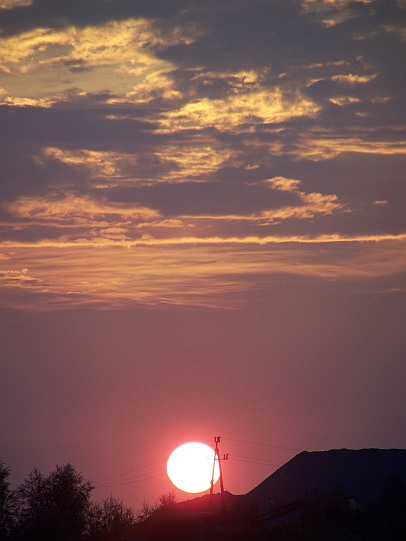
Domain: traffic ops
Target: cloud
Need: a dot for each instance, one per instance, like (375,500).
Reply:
(10,4)
(59,14)
(18,278)
(173,163)
(354,79)
(189,270)
(82,215)
(384,202)
(333,12)
(143,124)
(252,107)
(83,57)
(121,212)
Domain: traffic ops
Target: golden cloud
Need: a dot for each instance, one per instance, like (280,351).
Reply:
(284,184)
(188,270)
(191,161)
(330,12)
(343,100)
(353,78)
(168,223)
(321,144)
(312,203)
(55,60)
(70,209)
(259,106)
(101,164)
(10,4)
(88,218)
(18,278)
(180,163)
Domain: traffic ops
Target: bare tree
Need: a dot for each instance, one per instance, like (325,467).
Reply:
(110,519)
(147,510)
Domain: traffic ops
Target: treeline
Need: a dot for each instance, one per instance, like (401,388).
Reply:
(58,507)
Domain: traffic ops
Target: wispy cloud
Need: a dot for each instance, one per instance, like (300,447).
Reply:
(189,270)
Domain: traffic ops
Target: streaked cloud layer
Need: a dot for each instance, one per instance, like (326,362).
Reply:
(198,143)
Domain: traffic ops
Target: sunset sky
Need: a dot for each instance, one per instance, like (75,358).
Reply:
(203,233)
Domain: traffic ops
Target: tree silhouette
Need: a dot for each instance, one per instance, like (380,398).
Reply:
(7,503)
(147,510)
(54,507)
(110,519)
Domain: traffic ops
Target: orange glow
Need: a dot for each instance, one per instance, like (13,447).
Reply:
(190,467)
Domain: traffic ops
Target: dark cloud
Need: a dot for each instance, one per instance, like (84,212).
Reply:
(214,198)
(26,130)
(352,176)
(71,127)
(60,14)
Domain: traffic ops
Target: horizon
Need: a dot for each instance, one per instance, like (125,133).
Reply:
(115,481)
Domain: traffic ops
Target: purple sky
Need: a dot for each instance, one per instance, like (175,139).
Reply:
(203,233)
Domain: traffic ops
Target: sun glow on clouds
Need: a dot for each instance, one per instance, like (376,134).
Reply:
(263,106)
(55,60)
(115,254)
(70,211)
(101,164)
(331,12)
(9,4)
(179,163)
(192,161)
(99,218)
(183,120)
(209,274)
(318,144)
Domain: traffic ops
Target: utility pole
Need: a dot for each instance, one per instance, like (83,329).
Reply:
(219,459)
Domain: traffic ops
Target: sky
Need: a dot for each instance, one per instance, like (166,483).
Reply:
(202,233)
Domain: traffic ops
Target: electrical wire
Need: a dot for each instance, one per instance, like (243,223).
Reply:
(134,478)
(264,444)
(251,462)
(128,482)
(264,461)
(130,471)
(116,481)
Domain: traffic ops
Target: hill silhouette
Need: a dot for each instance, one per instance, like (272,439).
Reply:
(359,473)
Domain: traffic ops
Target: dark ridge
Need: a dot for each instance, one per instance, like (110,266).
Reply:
(359,473)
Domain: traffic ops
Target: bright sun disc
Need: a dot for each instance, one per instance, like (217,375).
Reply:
(190,467)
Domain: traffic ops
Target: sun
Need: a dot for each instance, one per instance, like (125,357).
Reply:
(190,467)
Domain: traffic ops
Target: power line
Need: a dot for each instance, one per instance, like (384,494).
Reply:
(130,471)
(265,445)
(258,463)
(262,460)
(104,483)
(128,479)
(130,482)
